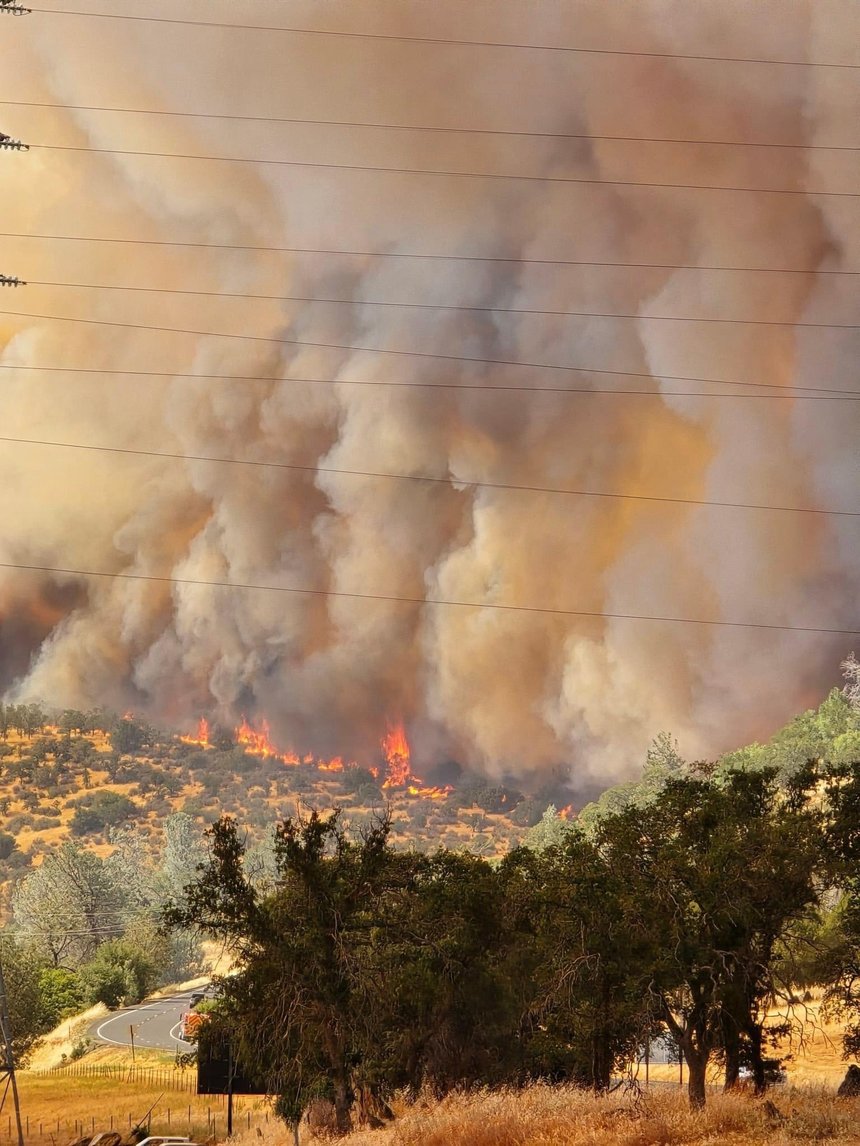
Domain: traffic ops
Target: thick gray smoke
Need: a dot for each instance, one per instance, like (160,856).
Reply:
(501,691)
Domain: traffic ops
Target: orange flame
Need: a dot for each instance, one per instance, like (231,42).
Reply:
(429,793)
(333,765)
(566,812)
(201,736)
(256,741)
(397,754)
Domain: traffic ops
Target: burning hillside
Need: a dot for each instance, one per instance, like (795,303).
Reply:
(396,752)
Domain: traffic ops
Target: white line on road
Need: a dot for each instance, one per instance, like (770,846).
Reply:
(128,1016)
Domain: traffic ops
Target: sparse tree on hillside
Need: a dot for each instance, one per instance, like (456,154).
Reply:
(128,736)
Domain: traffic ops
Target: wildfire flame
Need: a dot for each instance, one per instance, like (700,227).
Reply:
(429,793)
(398,773)
(566,812)
(333,765)
(201,736)
(258,742)
(397,755)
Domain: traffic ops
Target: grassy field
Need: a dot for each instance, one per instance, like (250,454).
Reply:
(62,1105)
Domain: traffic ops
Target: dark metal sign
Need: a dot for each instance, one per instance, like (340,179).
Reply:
(217,1070)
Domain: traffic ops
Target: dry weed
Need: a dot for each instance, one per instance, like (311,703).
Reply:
(561,1116)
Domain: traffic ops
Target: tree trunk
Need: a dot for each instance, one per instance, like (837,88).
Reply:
(601,1063)
(696,1065)
(757,1059)
(697,1051)
(732,1047)
(342,1103)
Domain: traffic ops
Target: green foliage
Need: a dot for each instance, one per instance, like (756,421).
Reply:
(550,832)
(65,906)
(22,967)
(119,974)
(101,810)
(80,1047)
(128,736)
(8,845)
(60,994)
(386,966)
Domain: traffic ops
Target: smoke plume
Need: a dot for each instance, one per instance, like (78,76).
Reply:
(510,693)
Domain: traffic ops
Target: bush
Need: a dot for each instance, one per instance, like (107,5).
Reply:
(61,994)
(120,974)
(103,810)
(80,1047)
(528,813)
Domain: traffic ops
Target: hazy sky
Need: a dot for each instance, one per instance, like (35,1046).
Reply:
(504,691)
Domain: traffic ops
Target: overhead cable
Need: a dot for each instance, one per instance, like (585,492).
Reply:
(423,602)
(450,306)
(413,353)
(447,41)
(434,255)
(452,481)
(434,129)
(450,174)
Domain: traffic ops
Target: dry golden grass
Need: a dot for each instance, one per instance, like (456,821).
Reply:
(325,792)
(560,1116)
(57,1107)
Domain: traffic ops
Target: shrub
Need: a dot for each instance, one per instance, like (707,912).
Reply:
(119,974)
(61,994)
(104,809)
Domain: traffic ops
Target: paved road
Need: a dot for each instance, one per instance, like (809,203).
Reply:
(156,1024)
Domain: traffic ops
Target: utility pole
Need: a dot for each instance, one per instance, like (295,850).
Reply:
(7,143)
(13,9)
(7,1059)
(7,280)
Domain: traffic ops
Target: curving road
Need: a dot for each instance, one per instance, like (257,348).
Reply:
(156,1024)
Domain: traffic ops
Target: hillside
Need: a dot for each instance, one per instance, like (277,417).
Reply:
(72,777)
(80,776)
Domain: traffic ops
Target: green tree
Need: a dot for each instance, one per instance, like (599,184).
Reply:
(120,973)
(60,994)
(551,831)
(22,967)
(589,971)
(68,905)
(102,810)
(385,969)
(719,875)
(128,736)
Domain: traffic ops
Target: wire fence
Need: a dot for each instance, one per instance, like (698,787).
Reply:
(115,1097)
(200,1125)
(157,1077)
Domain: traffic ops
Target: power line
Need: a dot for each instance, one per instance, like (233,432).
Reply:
(439,130)
(378,168)
(413,353)
(558,48)
(515,261)
(449,480)
(785,392)
(449,306)
(422,601)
